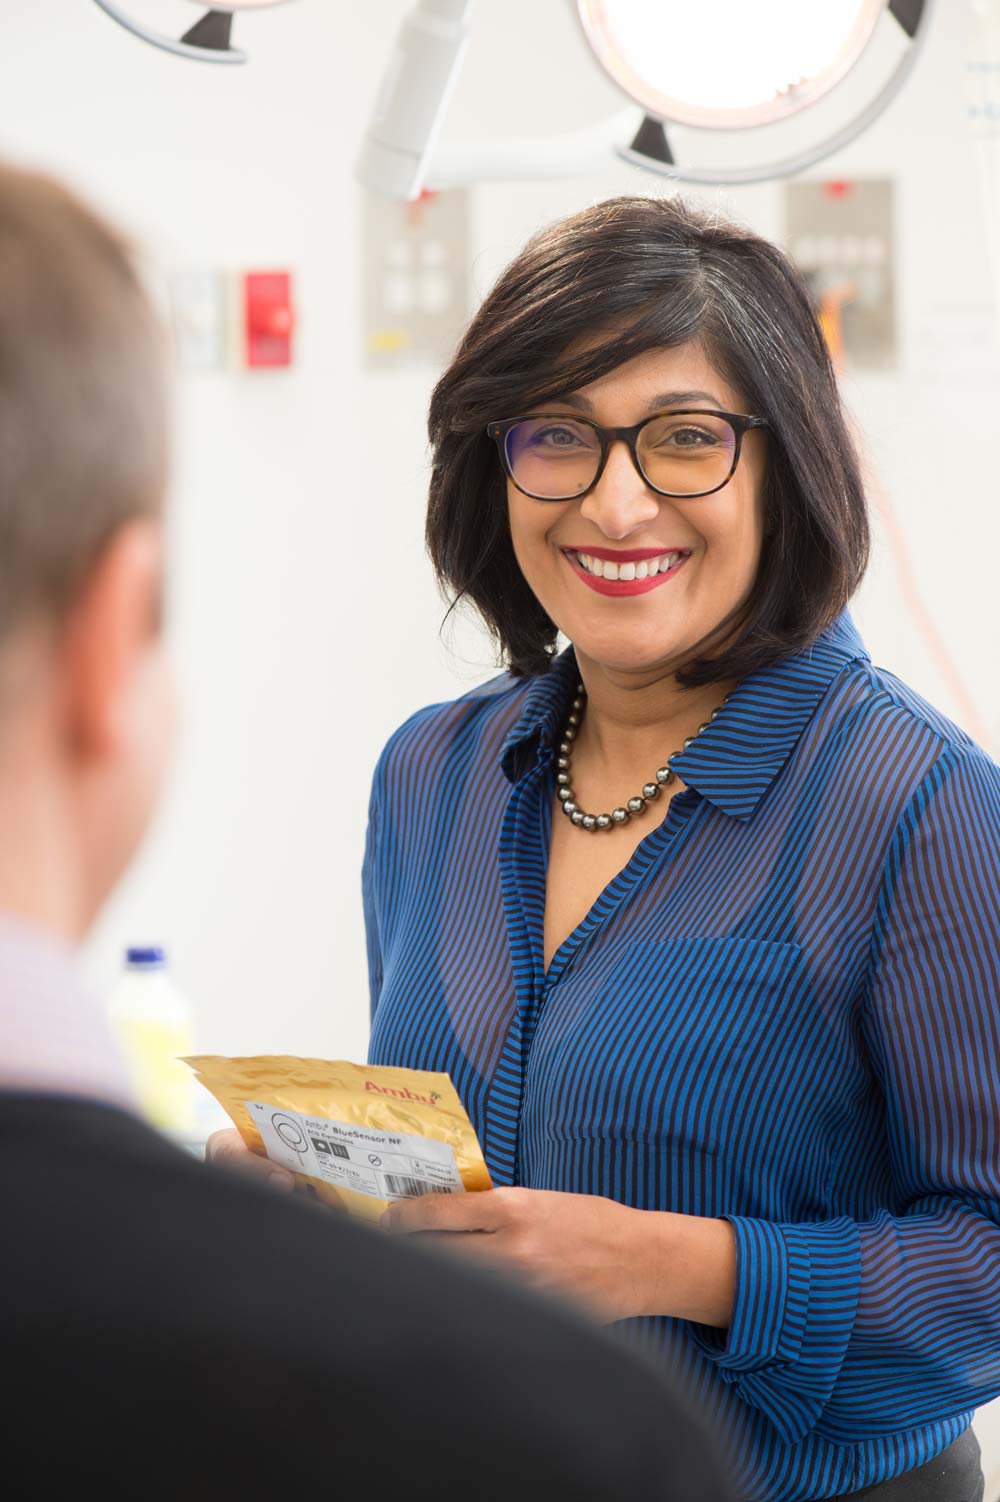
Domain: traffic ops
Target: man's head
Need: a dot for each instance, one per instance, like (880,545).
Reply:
(84,692)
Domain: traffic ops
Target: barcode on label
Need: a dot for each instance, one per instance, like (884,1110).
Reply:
(324,1145)
(408,1188)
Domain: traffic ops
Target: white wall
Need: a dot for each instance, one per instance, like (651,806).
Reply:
(305,619)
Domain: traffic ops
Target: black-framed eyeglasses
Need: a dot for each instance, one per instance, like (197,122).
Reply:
(552,456)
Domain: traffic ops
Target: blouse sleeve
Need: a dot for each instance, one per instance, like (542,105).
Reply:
(855,1329)
(369,888)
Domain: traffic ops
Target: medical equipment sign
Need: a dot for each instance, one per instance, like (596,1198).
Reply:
(382,1165)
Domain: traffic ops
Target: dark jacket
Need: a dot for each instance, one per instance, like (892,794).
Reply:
(170,1331)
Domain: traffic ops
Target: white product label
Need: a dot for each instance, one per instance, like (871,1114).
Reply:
(384,1165)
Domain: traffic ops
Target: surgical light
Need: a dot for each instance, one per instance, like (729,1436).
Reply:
(711,77)
(728,63)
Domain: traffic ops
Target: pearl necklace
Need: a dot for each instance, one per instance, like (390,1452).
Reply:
(632,806)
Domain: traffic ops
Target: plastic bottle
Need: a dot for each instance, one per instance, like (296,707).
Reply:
(154,1027)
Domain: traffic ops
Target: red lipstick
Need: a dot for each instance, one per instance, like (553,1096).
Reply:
(626,555)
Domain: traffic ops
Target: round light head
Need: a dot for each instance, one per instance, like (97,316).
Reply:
(728,64)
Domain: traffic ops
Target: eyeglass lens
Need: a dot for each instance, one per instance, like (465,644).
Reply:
(555,458)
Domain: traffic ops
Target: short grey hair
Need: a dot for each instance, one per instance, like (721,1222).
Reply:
(83,418)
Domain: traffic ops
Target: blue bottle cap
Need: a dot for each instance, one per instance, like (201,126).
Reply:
(145,958)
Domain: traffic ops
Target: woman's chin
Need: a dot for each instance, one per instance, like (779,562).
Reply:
(631,653)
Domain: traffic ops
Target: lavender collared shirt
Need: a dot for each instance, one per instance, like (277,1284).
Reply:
(55,1038)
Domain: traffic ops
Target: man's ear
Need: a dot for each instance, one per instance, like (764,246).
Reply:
(110,626)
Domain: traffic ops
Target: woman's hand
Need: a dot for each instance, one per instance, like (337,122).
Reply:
(229,1149)
(576,1245)
(617,1261)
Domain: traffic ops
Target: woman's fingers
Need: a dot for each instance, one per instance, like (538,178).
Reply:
(228,1149)
(482,1211)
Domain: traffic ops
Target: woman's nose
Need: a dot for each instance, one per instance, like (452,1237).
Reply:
(621,500)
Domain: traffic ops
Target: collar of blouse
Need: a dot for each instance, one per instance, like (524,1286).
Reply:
(735,759)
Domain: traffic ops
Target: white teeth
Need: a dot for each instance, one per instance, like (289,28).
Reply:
(603,568)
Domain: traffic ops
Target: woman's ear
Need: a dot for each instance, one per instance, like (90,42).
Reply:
(113,623)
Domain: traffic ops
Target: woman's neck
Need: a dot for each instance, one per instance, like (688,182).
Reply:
(638,723)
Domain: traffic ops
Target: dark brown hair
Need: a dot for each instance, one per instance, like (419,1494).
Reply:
(634,274)
(83,423)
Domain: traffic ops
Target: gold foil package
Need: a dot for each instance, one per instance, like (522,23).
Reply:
(360,1136)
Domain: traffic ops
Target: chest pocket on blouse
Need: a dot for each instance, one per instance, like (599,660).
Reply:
(681,1043)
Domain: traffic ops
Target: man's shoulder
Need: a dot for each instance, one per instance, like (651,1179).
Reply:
(154,1272)
(222,1252)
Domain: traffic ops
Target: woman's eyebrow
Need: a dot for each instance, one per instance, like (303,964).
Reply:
(682,399)
(664,399)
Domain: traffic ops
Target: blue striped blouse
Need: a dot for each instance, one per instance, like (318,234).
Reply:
(784,1010)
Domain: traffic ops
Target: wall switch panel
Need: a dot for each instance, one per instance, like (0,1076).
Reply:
(200,318)
(416,278)
(840,235)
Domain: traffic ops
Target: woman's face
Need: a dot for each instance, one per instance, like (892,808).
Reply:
(716,538)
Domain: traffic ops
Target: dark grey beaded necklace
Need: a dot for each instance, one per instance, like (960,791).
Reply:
(632,806)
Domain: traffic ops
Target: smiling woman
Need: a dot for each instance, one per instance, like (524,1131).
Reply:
(728,1027)
(644,277)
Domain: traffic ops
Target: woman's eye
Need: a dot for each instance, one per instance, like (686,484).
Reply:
(557,437)
(686,438)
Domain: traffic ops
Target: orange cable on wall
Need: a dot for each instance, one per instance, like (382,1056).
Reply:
(974,720)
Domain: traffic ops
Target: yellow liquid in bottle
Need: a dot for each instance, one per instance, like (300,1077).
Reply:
(164,1087)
